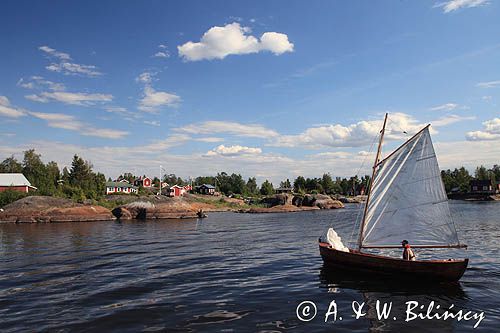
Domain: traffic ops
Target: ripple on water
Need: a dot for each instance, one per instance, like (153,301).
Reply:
(229,272)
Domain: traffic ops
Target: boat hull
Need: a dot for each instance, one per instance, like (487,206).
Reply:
(369,264)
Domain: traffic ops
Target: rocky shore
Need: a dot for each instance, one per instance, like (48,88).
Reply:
(49,209)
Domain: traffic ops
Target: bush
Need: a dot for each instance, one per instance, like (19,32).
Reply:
(9,196)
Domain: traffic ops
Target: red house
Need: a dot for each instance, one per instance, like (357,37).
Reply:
(143,181)
(177,191)
(16,182)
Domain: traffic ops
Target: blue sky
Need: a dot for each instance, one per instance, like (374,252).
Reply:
(271,89)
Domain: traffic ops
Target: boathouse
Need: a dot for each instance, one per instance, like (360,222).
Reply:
(120,187)
(16,182)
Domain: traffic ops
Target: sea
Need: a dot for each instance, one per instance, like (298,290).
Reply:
(233,272)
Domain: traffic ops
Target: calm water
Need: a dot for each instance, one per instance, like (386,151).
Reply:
(229,272)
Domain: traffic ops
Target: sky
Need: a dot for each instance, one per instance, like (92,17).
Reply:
(272,89)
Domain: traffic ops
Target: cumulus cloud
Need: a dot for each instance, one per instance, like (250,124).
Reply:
(362,133)
(219,42)
(236,150)
(7,110)
(64,65)
(82,99)
(489,84)
(69,122)
(491,131)
(229,127)
(452,5)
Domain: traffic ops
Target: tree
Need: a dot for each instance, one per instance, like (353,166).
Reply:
(299,185)
(328,184)
(10,165)
(251,186)
(286,183)
(266,188)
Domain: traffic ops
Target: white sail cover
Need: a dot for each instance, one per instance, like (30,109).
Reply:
(408,199)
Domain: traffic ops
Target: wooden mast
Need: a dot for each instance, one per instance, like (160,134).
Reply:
(377,157)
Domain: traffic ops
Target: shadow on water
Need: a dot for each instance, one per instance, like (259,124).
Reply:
(330,278)
(399,295)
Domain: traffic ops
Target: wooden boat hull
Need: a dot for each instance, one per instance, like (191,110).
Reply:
(369,264)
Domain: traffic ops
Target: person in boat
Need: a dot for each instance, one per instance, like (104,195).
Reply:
(201,214)
(408,252)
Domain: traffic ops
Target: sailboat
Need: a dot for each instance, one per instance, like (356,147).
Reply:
(406,201)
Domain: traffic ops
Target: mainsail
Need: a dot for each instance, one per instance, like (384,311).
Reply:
(408,199)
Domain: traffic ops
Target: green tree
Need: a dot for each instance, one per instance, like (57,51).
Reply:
(251,186)
(299,185)
(286,183)
(11,165)
(266,188)
(328,184)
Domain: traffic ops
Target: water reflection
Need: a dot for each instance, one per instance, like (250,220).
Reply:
(396,293)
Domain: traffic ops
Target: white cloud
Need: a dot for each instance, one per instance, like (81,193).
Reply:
(116,109)
(210,139)
(450,119)
(491,131)
(68,122)
(152,122)
(161,54)
(66,67)
(7,110)
(152,100)
(452,5)
(362,133)
(55,53)
(236,150)
(234,128)
(444,107)
(219,42)
(146,77)
(38,82)
(83,99)
(489,84)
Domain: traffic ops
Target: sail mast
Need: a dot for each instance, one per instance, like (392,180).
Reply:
(377,157)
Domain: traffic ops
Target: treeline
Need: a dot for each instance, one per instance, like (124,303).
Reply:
(235,184)
(459,179)
(78,183)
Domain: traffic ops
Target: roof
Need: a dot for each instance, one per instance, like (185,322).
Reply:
(484,182)
(14,179)
(119,184)
(208,186)
(284,189)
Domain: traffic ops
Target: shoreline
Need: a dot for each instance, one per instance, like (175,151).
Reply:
(48,209)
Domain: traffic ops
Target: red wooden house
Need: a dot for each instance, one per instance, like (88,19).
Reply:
(177,190)
(16,182)
(143,181)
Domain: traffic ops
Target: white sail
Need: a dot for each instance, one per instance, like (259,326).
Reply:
(408,199)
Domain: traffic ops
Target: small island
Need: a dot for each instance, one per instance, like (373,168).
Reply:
(33,191)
